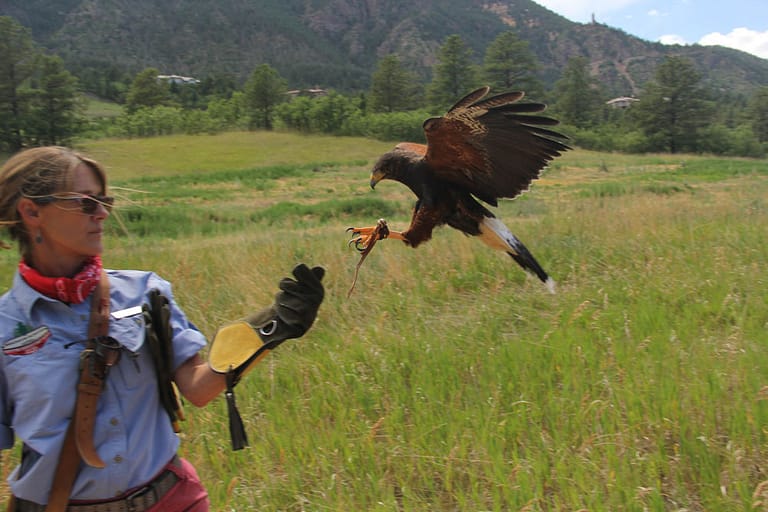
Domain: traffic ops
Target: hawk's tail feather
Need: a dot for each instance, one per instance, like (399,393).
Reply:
(526,260)
(496,235)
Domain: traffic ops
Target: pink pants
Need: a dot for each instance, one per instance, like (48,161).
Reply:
(188,495)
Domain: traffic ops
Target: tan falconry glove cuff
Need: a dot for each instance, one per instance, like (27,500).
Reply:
(239,346)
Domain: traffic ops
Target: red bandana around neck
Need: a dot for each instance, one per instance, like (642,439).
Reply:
(72,290)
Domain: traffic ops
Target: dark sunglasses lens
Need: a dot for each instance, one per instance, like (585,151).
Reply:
(91,203)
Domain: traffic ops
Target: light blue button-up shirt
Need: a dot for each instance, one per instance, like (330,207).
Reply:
(41,342)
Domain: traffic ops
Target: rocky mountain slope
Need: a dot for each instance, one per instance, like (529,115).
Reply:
(337,43)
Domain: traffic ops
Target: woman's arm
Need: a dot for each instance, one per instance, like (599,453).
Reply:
(197,382)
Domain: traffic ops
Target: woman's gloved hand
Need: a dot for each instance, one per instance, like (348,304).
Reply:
(295,307)
(238,346)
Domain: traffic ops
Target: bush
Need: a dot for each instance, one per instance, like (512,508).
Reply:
(394,126)
(739,141)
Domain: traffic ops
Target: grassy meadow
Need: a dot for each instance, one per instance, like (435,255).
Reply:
(450,380)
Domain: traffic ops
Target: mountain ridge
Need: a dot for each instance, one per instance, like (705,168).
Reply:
(337,43)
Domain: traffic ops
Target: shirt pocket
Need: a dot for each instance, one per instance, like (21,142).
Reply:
(135,367)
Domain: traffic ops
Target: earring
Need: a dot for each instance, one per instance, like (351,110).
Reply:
(39,238)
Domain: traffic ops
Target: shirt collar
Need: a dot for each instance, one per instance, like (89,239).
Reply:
(25,296)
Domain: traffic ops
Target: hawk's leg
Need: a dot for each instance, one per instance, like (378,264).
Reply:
(363,238)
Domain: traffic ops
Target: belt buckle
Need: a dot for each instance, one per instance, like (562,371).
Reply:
(141,493)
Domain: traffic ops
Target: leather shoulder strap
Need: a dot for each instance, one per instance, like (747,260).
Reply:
(99,321)
(79,437)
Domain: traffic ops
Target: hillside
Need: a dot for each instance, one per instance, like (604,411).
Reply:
(336,43)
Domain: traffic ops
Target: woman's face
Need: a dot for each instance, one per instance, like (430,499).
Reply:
(69,236)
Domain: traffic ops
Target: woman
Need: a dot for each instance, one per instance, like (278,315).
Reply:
(53,202)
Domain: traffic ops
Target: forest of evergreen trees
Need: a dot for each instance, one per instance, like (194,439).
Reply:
(41,102)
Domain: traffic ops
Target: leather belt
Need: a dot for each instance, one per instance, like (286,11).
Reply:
(137,500)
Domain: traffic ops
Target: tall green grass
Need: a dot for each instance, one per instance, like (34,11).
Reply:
(450,380)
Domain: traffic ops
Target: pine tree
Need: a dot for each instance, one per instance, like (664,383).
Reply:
(147,91)
(393,88)
(672,111)
(263,91)
(509,65)
(17,63)
(454,73)
(54,118)
(759,113)
(578,99)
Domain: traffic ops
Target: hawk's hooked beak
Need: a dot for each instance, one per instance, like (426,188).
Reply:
(376,176)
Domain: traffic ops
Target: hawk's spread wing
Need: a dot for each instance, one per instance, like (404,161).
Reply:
(491,146)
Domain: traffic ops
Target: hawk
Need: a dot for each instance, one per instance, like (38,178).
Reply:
(483,149)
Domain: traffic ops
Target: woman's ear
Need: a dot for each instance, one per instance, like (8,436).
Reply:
(29,212)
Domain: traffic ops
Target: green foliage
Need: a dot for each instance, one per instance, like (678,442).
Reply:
(264,90)
(38,97)
(397,126)
(228,112)
(454,73)
(759,114)
(104,79)
(509,65)
(147,91)
(673,112)
(56,111)
(578,95)
(148,122)
(18,55)
(295,114)
(719,139)
(336,115)
(215,105)
(221,115)
(185,95)
(331,114)
(336,45)
(393,88)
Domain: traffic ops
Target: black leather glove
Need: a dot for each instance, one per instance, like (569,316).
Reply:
(294,309)
(239,346)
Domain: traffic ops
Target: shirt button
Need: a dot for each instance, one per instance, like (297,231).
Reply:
(119,492)
(114,422)
(118,459)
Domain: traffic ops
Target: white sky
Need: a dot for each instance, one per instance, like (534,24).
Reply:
(739,24)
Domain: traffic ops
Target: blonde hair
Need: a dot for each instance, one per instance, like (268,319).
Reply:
(38,172)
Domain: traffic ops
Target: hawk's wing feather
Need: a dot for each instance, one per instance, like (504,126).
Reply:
(491,146)
(532,121)
(519,107)
(497,100)
(470,98)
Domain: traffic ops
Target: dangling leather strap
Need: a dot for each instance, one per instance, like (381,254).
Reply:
(95,362)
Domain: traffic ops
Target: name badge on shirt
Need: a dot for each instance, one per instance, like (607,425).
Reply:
(27,343)
(125,313)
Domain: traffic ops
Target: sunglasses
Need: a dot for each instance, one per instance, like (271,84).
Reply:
(87,203)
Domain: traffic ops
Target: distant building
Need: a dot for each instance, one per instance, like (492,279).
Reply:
(621,102)
(312,93)
(176,79)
